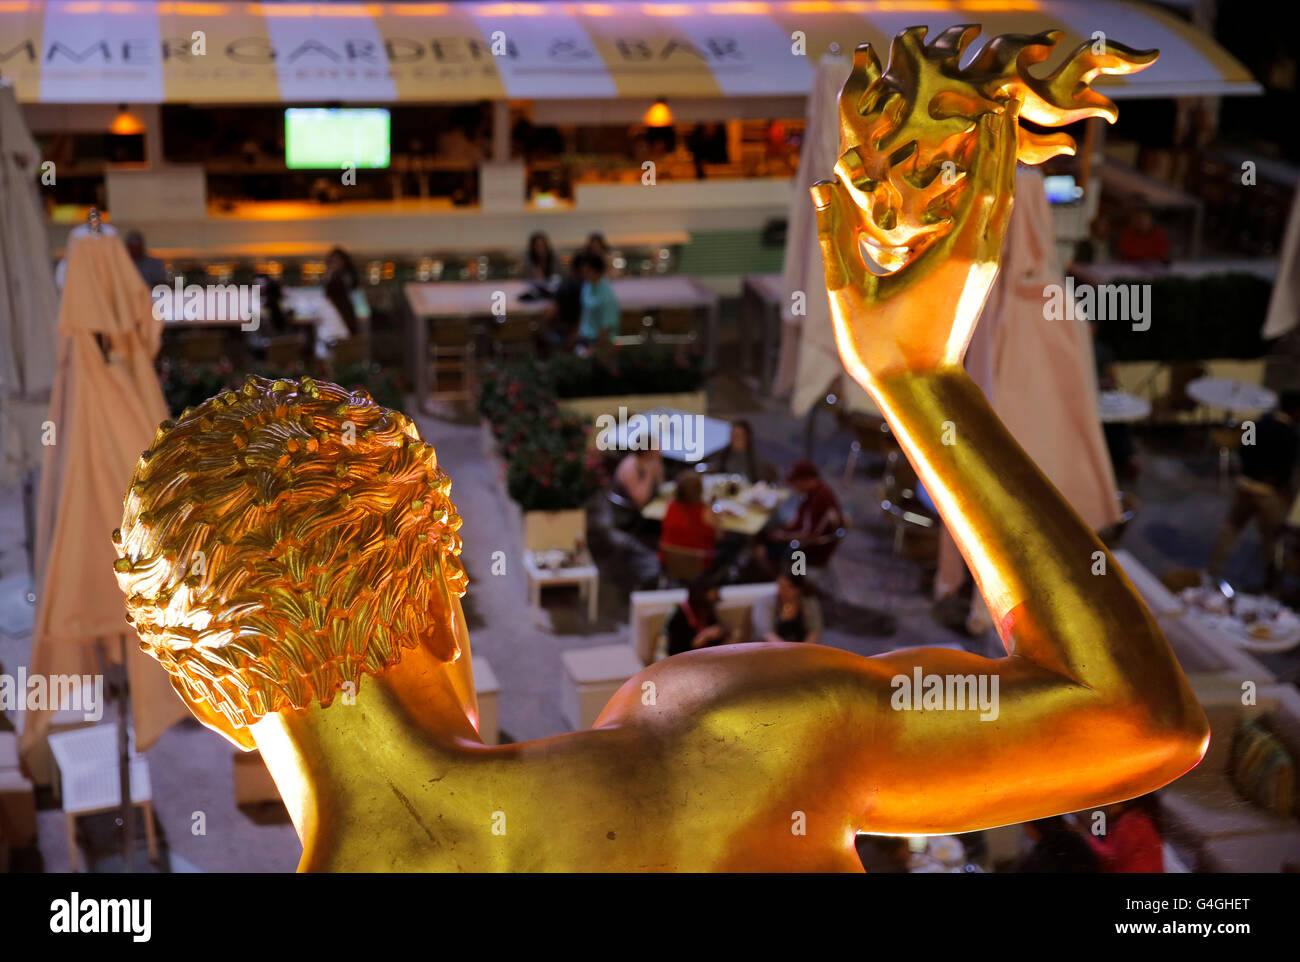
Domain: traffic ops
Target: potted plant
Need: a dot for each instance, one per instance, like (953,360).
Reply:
(550,475)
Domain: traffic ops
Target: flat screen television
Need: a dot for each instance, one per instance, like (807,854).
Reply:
(1062,189)
(322,138)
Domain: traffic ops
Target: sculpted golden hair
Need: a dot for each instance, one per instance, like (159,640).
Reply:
(281,540)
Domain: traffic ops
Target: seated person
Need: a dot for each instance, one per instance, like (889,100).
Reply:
(814,526)
(798,616)
(600,315)
(1056,849)
(1142,241)
(1133,842)
(694,623)
(540,262)
(688,522)
(739,456)
(638,477)
(563,314)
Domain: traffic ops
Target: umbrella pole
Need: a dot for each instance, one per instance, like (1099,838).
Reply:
(124,761)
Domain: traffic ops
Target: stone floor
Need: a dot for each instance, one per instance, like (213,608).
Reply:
(191,768)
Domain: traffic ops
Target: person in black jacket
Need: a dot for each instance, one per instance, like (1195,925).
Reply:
(1057,848)
(565,312)
(1264,490)
(694,623)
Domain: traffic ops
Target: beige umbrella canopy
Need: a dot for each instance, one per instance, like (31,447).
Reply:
(810,361)
(1284,306)
(29,302)
(105,407)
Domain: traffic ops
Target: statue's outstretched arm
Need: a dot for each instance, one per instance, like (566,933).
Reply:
(1091,704)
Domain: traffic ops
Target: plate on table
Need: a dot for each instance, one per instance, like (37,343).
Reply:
(762,495)
(1254,622)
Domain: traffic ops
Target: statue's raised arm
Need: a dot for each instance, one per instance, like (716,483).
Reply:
(1093,705)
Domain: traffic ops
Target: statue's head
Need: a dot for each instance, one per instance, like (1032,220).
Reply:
(280,541)
(911,129)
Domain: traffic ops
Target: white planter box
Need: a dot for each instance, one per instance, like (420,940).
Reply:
(591,676)
(690,402)
(488,691)
(552,530)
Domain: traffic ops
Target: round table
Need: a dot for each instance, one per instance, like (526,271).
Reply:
(1238,397)
(1117,406)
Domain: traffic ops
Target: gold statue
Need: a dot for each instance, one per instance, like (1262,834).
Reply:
(289,553)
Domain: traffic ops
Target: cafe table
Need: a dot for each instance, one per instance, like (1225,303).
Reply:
(674,439)
(1118,407)
(749,522)
(1231,395)
(1201,646)
(232,327)
(430,301)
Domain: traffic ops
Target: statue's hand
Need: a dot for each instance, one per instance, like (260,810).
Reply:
(878,330)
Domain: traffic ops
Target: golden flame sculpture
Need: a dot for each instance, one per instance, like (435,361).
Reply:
(289,553)
(910,132)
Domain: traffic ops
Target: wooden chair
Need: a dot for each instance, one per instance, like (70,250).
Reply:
(203,346)
(916,527)
(871,433)
(451,357)
(634,323)
(682,565)
(678,321)
(1177,405)
(515,336)
(349,351)
(284,350)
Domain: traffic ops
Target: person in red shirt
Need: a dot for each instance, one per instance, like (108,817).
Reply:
(814,527)
(1132,842)
(1143,241)
(688,522)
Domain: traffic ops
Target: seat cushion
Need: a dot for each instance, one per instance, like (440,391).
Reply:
(1262,770)
(605,663)
(1266,852)
(1211,809)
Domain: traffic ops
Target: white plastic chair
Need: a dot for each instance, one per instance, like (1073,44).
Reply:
(87,760)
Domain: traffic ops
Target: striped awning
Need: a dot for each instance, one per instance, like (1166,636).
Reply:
(83,51)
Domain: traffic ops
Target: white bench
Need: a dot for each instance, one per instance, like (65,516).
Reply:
(746,609)
(87,760)
(40,765)
(488,691)
(591,676)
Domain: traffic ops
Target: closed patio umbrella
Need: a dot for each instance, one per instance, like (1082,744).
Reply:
(1284,305)
(29,306)
(810,361)
(106,405)
(29,302)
